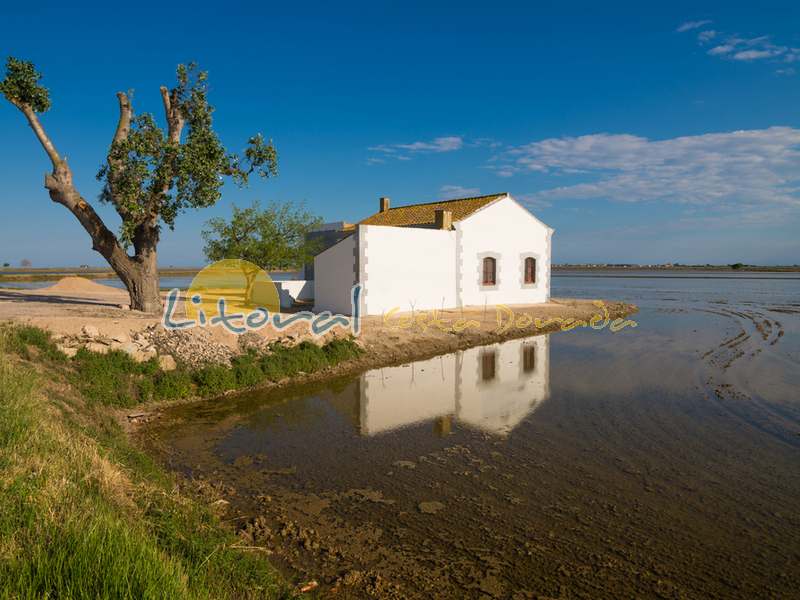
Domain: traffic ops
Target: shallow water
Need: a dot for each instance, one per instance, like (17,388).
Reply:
(656,461)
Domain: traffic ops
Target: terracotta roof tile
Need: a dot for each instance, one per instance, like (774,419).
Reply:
(424,215)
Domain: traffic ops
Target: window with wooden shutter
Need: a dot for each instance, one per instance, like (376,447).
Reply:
(488,365)
(489,271)
(530,270)
(528,358)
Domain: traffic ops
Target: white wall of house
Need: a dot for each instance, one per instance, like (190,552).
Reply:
(291,290)
(509,233)
(334,276)
(407,268)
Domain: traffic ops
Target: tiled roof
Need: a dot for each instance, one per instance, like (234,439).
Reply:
(424,215)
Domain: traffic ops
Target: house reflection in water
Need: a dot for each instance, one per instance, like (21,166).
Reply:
(490,388)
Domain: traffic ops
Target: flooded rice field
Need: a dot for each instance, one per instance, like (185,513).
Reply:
(660,461)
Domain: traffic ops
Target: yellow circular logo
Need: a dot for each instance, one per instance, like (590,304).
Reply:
(242,285)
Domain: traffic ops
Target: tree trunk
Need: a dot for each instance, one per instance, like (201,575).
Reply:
(142,281)
(143,287)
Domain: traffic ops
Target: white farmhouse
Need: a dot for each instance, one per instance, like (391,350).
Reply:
(466,252)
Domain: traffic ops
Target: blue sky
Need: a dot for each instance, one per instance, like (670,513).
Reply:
(641,133)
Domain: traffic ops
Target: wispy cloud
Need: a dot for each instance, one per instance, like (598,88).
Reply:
(744,49)
(707,35)
(758,168)
(689,25)
(448,192)
(405,151)
(755,54)
(532,200)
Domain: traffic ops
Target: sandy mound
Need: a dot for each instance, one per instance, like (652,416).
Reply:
(81,285)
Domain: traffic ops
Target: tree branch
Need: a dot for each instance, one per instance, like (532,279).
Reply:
(173,114)
(124,123)
(120,135)
(59,184)
(41,135)
(175,123)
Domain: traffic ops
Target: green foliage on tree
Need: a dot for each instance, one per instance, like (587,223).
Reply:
(274,238)
(150,170)
(737,266)
(21,85)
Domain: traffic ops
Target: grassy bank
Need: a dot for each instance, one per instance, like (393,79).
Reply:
(83,513)
(115,379)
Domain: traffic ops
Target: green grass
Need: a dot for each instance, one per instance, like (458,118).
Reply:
(115,379)
(171,385)
(84,514)
(28,341)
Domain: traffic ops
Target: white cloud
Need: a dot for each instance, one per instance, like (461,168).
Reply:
(734,47)
(437,145)
(706,36)
(721,49)
(755,54)
(758,168)
(448,192)
(689,25)
(532,201)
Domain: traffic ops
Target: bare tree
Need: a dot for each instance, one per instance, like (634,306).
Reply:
(150,175)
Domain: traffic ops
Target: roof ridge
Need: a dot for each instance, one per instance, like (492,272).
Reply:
(450,200)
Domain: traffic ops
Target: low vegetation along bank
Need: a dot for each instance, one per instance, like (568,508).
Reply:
(115,379)
(83,513)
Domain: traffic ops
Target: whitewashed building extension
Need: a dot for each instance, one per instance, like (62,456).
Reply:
(465,252)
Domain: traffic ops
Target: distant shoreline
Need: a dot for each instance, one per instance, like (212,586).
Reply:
(9,274)
(55,273)
(681,268)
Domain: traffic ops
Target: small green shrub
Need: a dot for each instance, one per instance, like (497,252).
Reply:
(214,379)
(149,367)
(171,385)
(113,378)
(306,357)
(145,389)
(247,370)
(339,350)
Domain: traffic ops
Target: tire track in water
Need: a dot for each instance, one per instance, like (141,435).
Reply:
(729,390)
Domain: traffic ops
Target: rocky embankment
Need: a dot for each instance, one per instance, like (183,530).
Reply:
(194,349)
